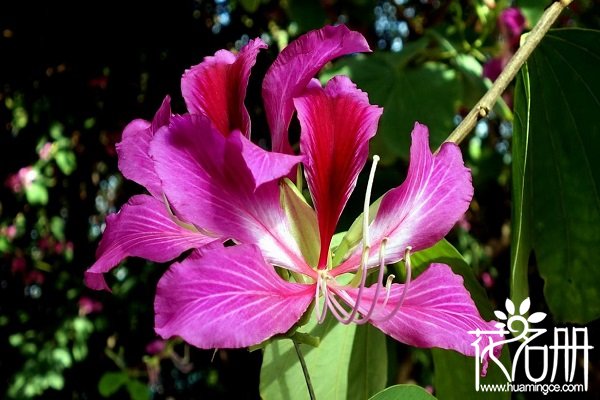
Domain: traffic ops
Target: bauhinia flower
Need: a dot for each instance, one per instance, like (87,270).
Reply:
(262,254)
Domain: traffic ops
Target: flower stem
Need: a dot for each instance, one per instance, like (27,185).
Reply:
(311,392)
(485,104)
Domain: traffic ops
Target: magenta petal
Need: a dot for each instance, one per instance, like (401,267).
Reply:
(264,166)
(227,298)
(437,312)
(217,87)
(293,69)
(134,161)
(209,183)
(142,228)
(420,212)
(337,123)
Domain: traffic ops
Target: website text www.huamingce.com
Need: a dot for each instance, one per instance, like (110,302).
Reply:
(544,388)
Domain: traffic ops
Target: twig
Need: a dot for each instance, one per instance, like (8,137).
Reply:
(483,107)
(311,392)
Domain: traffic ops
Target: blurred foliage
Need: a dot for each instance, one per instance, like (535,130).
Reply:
(74,74)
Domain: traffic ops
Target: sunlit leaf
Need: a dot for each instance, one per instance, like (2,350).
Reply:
(367,373)
(66,161)
(36,193)
(281,376)
(557,173)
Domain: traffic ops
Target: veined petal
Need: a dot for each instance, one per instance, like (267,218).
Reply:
(293,69)
(134,161)
(420,212)
(227,298)
(337,123)
(437,312)
(142,228)
(217,87)
(210,184)
(263,166)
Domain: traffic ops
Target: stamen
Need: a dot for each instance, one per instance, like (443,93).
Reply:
(367,202)
(321,286)
(366,247)
(388,290)
(363,279)
(379,279)
(406,285)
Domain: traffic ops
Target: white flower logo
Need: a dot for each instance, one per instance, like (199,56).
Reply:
(512,316)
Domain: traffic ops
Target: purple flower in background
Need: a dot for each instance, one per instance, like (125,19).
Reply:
(210,184)
(512,22)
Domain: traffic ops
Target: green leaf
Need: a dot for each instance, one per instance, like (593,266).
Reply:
(430,93)
(138,390)
(57,227)
(367,373)
(521,190)
(454,373)
(110,382)
(281,376)
(36,193)
(308,14)
(250,5)
(454,376)
(532,10)
(443,252)
(404,392)
(62,357)
(66,161)
(561,171)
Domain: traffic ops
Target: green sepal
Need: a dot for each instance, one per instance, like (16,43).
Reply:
(303,221)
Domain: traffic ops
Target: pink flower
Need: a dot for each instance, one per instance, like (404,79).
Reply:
(45,151)
(512,22)
(156,346)
(89,306)
(11,232)
(22,179)
(220,187)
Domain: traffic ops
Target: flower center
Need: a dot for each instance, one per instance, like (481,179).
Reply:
(328,287)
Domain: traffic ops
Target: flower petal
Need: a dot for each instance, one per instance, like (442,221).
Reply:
(210,184)
(142,228)
(337,123)
(227,298)
(437,312)
(263,166)
(217,87)
(293,69)
(420,212)
(134,161)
